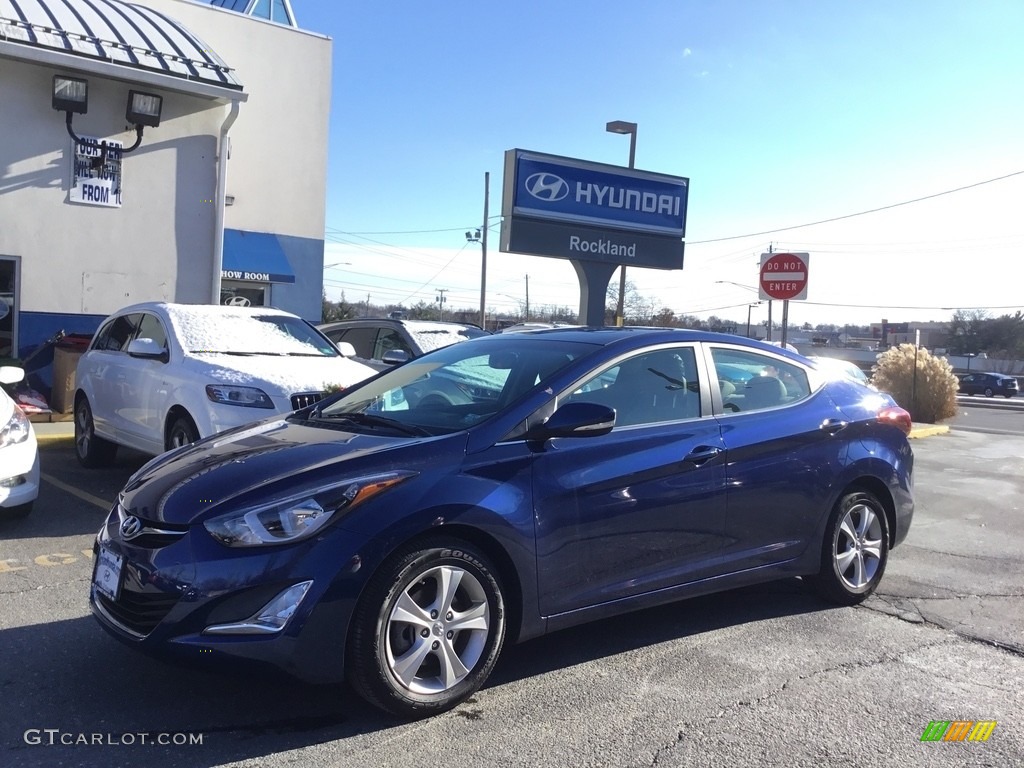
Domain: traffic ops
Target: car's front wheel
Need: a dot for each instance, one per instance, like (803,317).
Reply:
(428,629)
(182,432)
(855,549)
(92,451)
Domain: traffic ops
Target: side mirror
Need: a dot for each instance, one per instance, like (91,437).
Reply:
(575,420)
(11,374)
(147,349)
(395,357)
(346,348)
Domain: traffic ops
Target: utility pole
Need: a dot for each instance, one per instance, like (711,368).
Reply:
(527,318)
(441,300)
(768,330)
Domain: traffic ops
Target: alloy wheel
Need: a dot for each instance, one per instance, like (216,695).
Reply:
(858,547)
(437,630)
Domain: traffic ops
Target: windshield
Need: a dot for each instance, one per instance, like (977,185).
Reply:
(429,336)
(220,330)
(456,387)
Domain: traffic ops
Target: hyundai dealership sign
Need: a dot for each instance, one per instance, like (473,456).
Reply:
(574,209)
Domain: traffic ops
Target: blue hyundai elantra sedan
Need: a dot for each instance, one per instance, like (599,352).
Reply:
(398,534)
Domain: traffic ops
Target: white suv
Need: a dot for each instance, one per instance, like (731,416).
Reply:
(157,376)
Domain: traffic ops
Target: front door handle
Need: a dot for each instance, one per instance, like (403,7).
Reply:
(702,454)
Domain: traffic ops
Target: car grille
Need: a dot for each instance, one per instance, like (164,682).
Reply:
(306,399)
(137,610)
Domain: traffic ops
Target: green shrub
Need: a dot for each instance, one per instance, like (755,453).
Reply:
(930,395)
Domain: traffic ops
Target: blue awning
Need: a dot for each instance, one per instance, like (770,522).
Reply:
(255,257)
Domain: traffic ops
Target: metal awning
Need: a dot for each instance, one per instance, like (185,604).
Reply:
(110,37)
(255,257)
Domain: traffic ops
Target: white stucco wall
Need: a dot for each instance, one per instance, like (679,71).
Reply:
(90,259)
(278,167)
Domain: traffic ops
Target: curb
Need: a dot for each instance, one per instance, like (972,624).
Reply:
(927,430)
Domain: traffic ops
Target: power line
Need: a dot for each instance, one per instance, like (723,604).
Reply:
(860,213)
(414,231)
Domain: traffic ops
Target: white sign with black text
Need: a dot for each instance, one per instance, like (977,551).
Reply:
(96,175)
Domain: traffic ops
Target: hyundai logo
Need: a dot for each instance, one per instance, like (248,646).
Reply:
(131,527)
(547,187)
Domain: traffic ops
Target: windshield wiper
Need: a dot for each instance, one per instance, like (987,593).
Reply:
(378,421)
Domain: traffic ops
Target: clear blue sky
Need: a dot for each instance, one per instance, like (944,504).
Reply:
(780,113)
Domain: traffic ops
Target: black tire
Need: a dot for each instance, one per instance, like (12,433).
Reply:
(398,658)
(989,392)
(92,451)
(182,432)
(854,551)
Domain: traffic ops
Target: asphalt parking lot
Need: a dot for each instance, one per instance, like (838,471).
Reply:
(763,676)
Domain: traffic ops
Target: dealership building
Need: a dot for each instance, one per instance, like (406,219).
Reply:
(159,150)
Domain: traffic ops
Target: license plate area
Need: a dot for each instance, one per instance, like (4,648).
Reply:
(107,576)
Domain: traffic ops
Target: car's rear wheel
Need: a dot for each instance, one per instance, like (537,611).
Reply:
(182,432)
(92,451)
(428,629)
(989,392)
(855,549)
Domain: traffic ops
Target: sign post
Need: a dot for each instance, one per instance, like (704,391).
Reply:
(783,276)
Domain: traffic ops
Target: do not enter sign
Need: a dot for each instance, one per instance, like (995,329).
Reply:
(784,276)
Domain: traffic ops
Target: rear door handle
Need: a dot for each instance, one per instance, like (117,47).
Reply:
(834,426)
(702,454)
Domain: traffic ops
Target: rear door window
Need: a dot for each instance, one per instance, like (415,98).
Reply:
(750,381)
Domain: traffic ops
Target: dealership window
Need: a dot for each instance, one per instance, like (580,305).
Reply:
(8,308)
(239,294)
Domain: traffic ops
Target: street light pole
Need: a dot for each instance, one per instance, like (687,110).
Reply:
(621,126)
(483,253)
(750,307)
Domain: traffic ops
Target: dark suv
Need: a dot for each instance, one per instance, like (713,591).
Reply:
(988,384)
(383,342)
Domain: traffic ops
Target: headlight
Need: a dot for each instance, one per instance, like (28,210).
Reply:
(247,397)
(16,430)
(298,517)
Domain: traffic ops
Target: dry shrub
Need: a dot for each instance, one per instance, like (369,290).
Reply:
(930,396)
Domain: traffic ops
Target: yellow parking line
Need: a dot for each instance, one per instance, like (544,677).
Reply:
(101,503)
(48,438)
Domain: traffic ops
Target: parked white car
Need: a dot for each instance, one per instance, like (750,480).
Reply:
(157,376)
(19,454)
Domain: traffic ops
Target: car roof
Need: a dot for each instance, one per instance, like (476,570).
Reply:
(167,307)
(393,322)
(634,336)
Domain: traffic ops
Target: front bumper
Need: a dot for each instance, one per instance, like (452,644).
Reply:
(19,473)
(174,585)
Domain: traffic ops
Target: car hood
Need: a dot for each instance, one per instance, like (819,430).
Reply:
(284,375)
(272,459)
